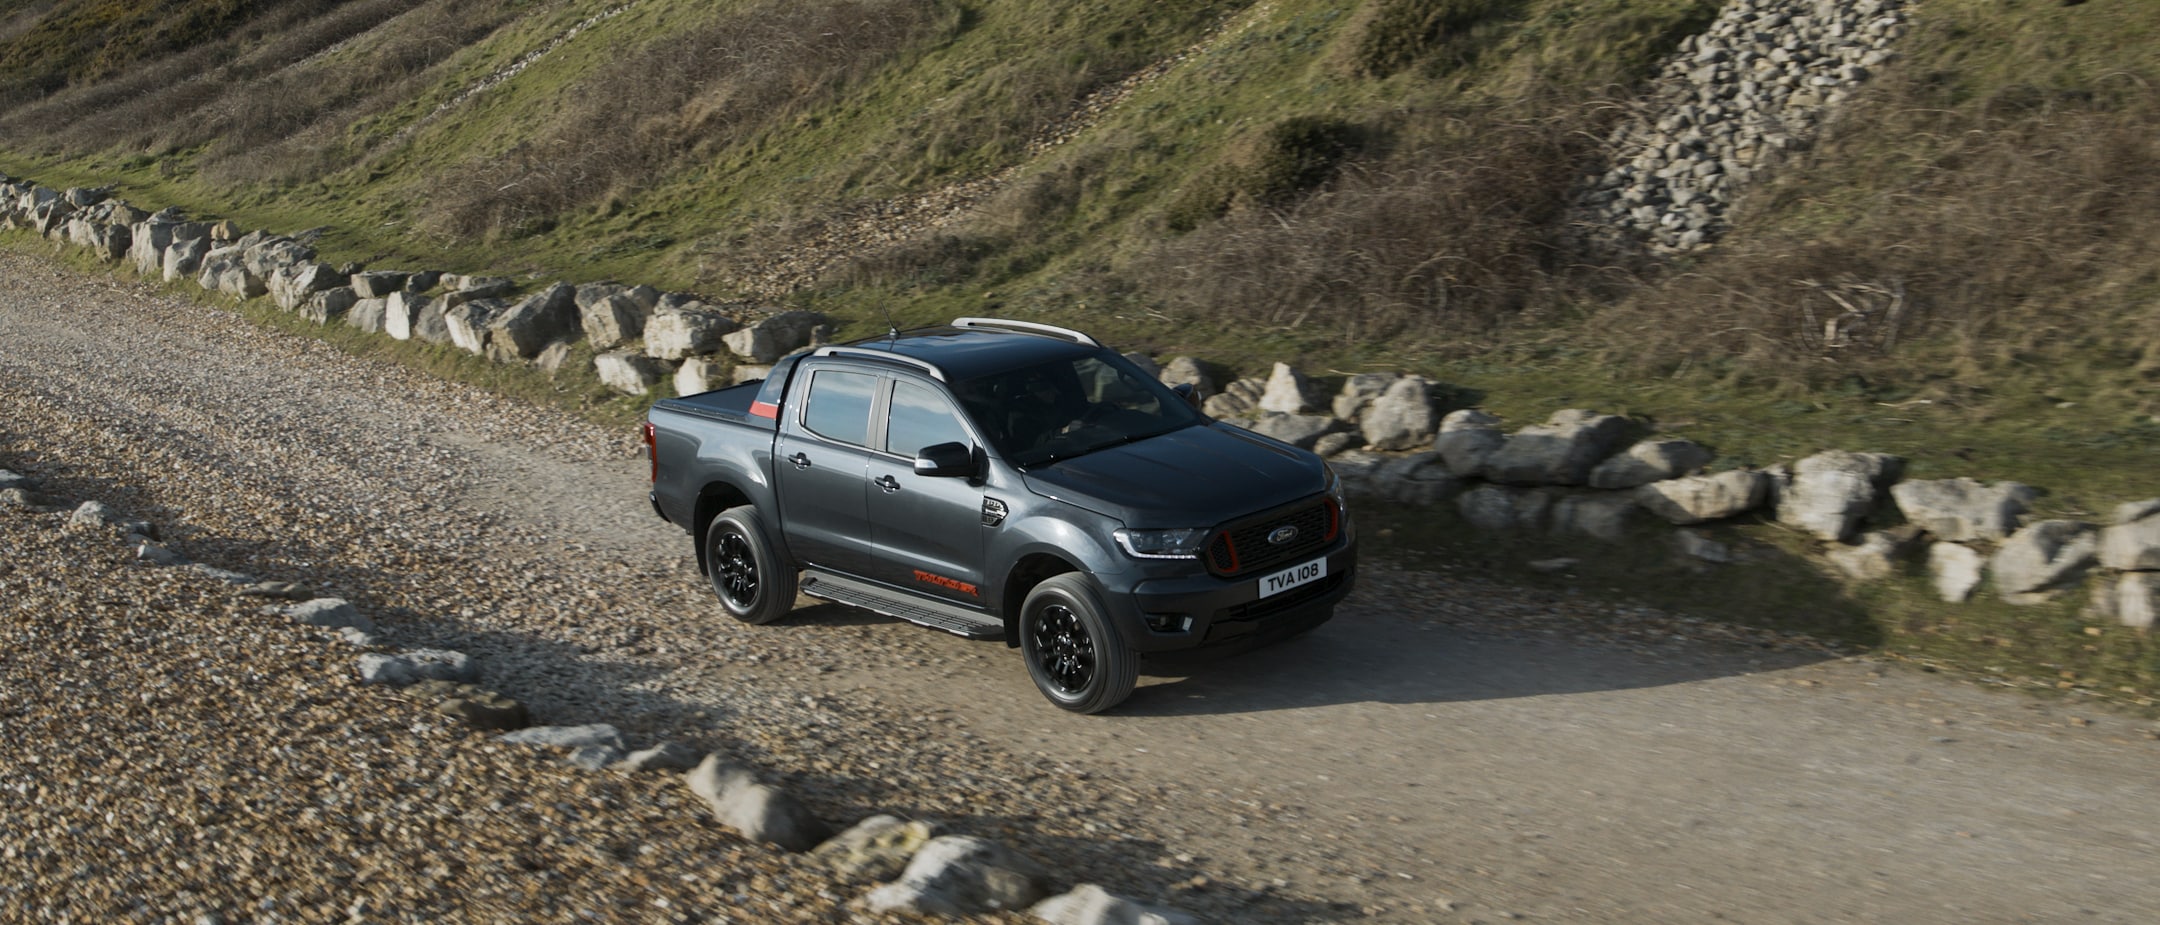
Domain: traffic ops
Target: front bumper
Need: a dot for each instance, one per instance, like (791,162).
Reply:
(1166,614)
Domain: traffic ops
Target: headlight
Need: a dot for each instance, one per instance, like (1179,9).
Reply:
(1179,543)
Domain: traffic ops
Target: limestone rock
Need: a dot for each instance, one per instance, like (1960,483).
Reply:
(1699,498)
(1561,451)
(2134,599)
(472,323)
(1188,371)
(1955,570)
(1962,510)
(613,321)
(1873,559)
(875,849)
(629,373)
(2133,544)
(1401,417)
(1089,904)
(329,613)
(291,286)
(1832,491)
(667,756)
(414,666)
(1649,461)
(478,707)
(1359,392)
(678,334)
(184,258)
(1287,392)
(760,812)
(2040,558)
(567,736)
(367,315)
(536,321)
(378,284)
(1238,399)
(700,374)
(1467,439)
(772,338)
(329,305)
(963,875)
(401,313)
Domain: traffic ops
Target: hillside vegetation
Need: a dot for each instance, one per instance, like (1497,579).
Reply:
(1352,185)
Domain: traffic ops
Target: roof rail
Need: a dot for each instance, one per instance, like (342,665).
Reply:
(1029,326)
(922,364)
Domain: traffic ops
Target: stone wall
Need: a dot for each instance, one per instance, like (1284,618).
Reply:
(642,337)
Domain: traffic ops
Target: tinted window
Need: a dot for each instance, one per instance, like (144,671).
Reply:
(1066,408)
(920,417)
(838,407)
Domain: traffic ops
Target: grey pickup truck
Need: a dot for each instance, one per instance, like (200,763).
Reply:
(1003,479)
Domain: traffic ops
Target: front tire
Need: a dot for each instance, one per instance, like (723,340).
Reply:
(754,582)
(1074,655)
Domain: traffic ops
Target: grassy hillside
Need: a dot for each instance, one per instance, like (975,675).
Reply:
(1356,185)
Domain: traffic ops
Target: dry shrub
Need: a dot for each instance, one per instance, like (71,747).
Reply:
(2021,223)
(1449,243)
(261,91)
(681,96)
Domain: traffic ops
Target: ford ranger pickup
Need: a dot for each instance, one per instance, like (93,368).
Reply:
(1006,480)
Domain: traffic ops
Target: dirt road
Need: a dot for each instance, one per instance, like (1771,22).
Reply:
(1439,753)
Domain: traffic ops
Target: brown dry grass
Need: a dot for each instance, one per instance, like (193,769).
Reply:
(2010,227)
(1459,241)
(677,98)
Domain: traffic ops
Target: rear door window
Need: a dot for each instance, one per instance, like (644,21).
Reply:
(838,406)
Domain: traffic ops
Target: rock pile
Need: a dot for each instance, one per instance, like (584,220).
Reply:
(928,873)
(642,335)
(1586,474)
(1757,85)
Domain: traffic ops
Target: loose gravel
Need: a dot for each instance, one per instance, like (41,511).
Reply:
(1448,750)
(163,721)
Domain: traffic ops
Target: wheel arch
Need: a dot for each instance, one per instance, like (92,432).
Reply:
(712,499)
(1032,569)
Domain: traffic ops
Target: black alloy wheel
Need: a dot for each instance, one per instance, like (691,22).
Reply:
(1073,654)
(754,583)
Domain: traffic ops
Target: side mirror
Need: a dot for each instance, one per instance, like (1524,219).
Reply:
(946,460)
(1186,391)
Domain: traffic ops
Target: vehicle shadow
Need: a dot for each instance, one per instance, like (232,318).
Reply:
(1364,657)
(1407,637)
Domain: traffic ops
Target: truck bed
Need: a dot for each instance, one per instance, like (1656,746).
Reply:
(731,404)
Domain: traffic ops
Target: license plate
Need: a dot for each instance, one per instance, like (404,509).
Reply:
(1271,585)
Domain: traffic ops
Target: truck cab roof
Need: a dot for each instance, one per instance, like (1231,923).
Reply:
(967,351)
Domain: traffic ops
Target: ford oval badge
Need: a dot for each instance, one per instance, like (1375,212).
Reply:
(1282,534)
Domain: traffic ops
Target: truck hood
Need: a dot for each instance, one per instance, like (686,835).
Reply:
(1195,477)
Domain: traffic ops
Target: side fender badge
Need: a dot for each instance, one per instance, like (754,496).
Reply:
(993,512)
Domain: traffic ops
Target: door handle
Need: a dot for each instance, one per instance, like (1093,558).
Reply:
(888,483)
(801,461)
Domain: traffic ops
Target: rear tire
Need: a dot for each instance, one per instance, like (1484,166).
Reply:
(1074,655)
(754,583)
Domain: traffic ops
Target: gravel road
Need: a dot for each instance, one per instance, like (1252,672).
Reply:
(1445,751)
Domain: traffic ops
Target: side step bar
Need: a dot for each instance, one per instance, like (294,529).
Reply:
(956,620)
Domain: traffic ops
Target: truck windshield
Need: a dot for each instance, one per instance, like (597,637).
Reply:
(1065,408)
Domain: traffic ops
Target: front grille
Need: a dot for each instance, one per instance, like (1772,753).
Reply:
(1242,547)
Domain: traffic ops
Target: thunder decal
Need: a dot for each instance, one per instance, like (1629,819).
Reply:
(944,582)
